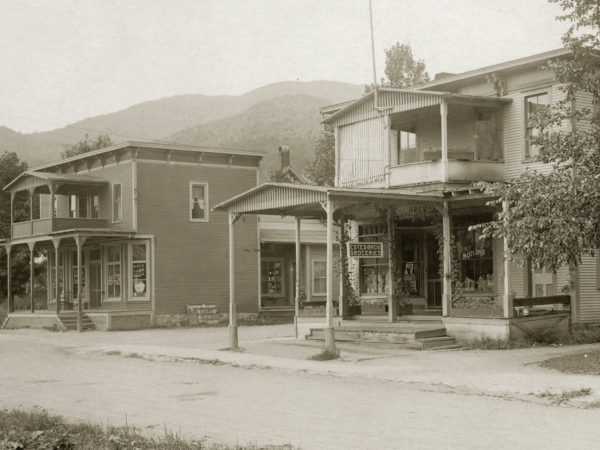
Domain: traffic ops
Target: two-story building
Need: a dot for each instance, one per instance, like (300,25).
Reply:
(405,164)
(130,237)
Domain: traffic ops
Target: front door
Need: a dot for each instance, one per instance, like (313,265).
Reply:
(95,284)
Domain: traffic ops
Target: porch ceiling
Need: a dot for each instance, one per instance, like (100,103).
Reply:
(305,201)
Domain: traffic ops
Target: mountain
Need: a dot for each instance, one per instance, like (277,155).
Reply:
(166,117)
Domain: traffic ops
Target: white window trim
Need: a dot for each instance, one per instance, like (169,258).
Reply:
(527,157)
(105,263)
(283,283)
(206,199)
(148,280)
(112,203)
(312,278)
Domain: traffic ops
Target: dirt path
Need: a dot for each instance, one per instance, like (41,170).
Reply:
(275,407)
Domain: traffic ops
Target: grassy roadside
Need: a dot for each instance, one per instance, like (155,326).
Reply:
(39,430)
(584,363)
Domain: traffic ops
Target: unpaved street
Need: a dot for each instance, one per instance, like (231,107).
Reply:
(232,404)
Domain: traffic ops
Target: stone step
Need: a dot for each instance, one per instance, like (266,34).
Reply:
(440,342)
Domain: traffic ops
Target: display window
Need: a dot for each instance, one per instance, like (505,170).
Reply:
(474,254)
(139,279)
(374,272)
(113,273)
(272,279)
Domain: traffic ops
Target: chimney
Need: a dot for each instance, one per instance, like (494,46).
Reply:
(284,154)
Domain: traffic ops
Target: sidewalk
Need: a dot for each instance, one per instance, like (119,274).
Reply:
(503,373)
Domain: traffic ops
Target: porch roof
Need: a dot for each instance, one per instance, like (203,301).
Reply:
(392,100)
(88,233)
(284,199)
(31,179)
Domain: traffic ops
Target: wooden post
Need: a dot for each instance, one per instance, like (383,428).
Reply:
(297,299)
(392,305)
(507,298)
(444,122)
(344,307)
(233,332)
(31,246)
(79,241)
(31,210)
(56,242)
(12,213)
(9,297)
(329,334)
(447,280)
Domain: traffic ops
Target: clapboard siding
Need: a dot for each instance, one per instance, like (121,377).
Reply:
(192,258)
(589,295)
(583,100)
(362,152)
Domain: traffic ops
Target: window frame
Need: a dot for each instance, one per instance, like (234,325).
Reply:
(106,264)
(112,202)
(130,284)
(281,261)
(191,201)
(370,231)
(312,278)
(527,155)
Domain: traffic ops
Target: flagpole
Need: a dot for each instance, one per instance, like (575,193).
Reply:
(373,55)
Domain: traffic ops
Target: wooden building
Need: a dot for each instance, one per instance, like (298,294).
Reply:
(406,160)
(130,236)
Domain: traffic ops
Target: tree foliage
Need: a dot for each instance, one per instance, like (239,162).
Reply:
(402,69)
(321,170)
(553,216)
(87,145)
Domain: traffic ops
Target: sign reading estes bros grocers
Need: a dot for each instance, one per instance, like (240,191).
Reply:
(365,249)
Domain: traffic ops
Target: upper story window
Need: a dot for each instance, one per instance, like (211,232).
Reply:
(117,202)
(198,205)
(533,104)
(407,146)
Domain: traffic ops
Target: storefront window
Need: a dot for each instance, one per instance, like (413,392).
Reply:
(113,272)
(272,277)
(139,271)
(474,255)
(374,271)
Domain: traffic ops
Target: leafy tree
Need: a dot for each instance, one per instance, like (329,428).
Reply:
(402,69)
(553,217)
(321,170)
(87,145)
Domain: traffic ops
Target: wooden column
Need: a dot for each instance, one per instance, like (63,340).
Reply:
(56,242)
(392,305)
(298,265)
(343,263)
(444,123)
(507,297)
(12,211)
(79,241)
(31,210)
(31,246)
(447,280)
(233,332)
(329,335)
(9,298)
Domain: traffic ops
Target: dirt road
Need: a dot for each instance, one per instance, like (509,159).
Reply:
(230,404)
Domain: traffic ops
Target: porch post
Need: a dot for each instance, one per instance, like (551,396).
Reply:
(507,298)
(392,305)
(233,332)
(444,122)
(9,298)
(79,241)
(297,299)
(12,212)
(329,335)
(447,280)
(31,246)
(31,209)
(343,262)
(56,242)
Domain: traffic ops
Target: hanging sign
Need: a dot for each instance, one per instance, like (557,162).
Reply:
(365,249)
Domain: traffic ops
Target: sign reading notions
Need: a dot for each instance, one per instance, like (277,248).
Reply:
(365,249)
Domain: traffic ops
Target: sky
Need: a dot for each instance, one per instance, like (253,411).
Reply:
(65,60)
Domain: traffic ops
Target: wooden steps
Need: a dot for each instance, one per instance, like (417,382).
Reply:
(69,321)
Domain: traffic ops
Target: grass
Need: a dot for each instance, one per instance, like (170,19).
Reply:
(575,337)
(586,363)
(39,430)
(324,356)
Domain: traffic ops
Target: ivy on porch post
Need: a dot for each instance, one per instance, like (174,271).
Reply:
(447,280)
(392,304)
(329,334)
(79,241)
(56,242)
(507,298)
(297,297)
(31,246)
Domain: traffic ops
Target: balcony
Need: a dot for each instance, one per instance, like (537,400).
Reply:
(46,226)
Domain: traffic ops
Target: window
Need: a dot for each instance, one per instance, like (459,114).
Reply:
(272,280)
(373,271)
(113,272)
(541,282)
(319,277)
(407,146)
(533,104)
(117,202)
(95,206)
(76,272)
(139,271)
(475,256)
(198,202)
(72,206)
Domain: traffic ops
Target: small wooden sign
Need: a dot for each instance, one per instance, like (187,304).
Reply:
(365,249)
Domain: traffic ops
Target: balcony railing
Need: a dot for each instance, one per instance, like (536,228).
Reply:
(458,170)
(45,226)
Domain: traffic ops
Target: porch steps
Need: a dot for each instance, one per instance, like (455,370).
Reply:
(409,335)
(69,321)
